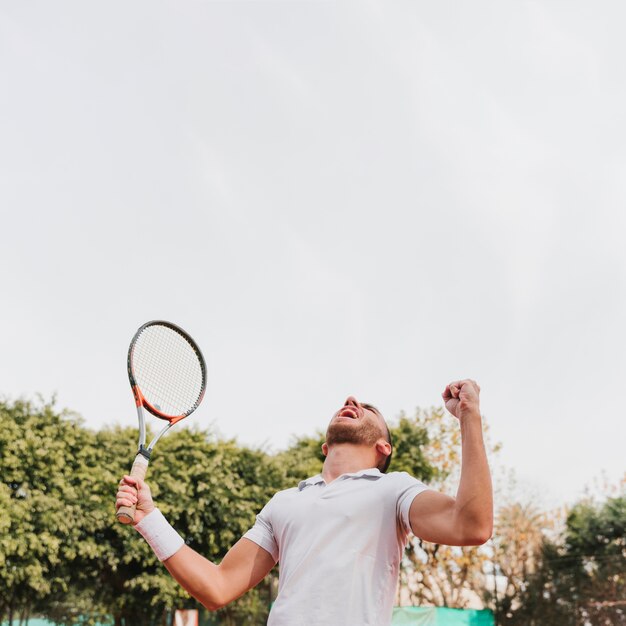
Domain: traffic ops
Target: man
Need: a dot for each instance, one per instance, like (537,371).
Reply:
(338,536)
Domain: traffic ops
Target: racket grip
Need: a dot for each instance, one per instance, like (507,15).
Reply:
(126,514)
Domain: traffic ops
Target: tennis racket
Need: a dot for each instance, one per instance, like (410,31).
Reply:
(167,374)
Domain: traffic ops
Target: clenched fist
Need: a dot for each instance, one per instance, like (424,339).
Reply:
(461,399)
(134,491)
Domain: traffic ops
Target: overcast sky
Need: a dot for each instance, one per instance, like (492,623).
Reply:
(369,198)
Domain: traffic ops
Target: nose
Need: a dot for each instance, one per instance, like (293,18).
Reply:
(351,401)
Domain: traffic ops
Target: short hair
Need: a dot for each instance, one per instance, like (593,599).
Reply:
(384,465)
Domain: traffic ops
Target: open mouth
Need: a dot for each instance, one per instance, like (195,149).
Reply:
(348,411)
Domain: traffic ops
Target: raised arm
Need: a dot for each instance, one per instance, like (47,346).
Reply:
(468,518)
(244,566)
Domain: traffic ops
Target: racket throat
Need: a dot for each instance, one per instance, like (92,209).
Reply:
(145,452)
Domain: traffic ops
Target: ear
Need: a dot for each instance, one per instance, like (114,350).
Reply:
(383,447)
(325,449)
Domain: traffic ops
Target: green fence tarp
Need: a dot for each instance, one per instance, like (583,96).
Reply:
(38,621)
(431,616)
(402,616)
(32,621)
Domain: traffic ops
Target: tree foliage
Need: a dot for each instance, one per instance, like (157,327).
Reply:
(63,556)
(42,454)
(576,578)
(303,458)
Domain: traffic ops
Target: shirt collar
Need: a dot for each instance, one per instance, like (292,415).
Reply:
(310,481)
(372,472)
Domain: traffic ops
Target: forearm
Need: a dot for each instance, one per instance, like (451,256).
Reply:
(198,576)
(474,500)
(243,567)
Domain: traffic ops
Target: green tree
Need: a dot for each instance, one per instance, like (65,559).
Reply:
(302,459)
(411,440)
(41,453)
(580,577)
(210,490)
(63,555)
(596,537)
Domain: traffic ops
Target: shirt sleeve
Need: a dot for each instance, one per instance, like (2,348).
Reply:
(408,488)
(262,532)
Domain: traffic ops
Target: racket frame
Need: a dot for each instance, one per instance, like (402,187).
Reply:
(140,400)
(140,464)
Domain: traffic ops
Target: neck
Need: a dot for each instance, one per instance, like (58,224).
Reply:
(346,458)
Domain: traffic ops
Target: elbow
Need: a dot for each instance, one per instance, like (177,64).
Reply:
(475,529)
(211,599)
(217,592)
(475,532)
(213,603)
(479,540)
(478,536)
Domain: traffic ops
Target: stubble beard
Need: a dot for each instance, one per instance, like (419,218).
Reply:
(342,431)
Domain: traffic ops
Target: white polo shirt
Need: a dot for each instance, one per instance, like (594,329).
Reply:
(339,546)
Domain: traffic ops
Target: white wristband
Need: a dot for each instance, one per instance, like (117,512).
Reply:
(160,535)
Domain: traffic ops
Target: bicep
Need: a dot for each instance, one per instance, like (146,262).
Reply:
(432,516)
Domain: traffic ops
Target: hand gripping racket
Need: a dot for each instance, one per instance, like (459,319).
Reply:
(167,374)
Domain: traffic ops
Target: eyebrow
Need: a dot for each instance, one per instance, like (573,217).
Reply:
(371,407)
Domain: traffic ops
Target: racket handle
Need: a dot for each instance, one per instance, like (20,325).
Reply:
(126,514)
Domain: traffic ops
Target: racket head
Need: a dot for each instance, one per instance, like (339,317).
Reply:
(166,370)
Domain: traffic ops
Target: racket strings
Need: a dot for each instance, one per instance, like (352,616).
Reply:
(167,370)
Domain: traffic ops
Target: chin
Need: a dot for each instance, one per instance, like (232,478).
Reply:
(351,431)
